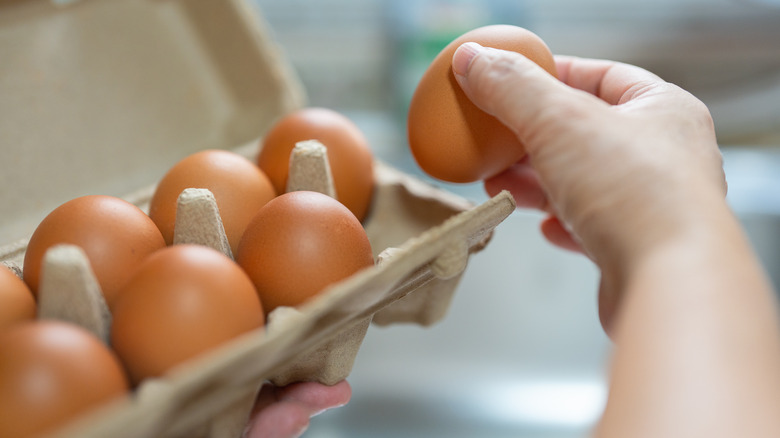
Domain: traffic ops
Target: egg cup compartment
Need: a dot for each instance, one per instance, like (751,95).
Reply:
(427,305)
(329,362)
(420,206)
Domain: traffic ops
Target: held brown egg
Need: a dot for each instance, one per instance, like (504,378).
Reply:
(453,140)
(239,187)
(115,235)
(182,301)
(16,301)
(51,372)
(349,154)
(298,244)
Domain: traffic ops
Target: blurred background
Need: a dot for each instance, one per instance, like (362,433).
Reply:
(521,352)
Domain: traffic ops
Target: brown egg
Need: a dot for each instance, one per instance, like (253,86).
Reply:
(16,301)
(453,140)
(182,301)
(350,157)
(52,372)
(298,244)
(115,234)
(239,187)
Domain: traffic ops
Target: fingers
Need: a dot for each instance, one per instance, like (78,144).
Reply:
(316,397)
(554,231)
(613,82)
(522,181)
(284,412)
(279,420)
(519,93)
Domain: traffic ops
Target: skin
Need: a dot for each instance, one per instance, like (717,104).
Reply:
(284,412)
(628,168)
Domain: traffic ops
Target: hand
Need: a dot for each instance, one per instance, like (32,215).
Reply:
(621,160)
(284,412)
(630,164)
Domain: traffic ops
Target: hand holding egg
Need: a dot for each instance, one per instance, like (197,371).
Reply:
(450,137)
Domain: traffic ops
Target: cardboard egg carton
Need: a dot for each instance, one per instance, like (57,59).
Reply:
(212,396)
(210,76)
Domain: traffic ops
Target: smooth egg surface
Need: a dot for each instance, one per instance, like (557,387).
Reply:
(17,303)
(238,185)
(298,244)
(115,235)
(349,154)
(50,373)
(182,301)
(451,138)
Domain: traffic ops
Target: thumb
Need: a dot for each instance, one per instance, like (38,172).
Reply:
(519,93)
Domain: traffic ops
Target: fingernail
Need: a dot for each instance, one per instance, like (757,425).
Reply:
(315,413)
(462,57)
(299,433)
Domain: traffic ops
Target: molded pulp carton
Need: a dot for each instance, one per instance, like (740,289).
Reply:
(103,96)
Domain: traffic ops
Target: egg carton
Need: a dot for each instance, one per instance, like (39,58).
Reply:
(211,396)
(422,236)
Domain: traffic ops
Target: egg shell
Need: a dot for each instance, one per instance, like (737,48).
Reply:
(50,373)
(451,138)
(349,154)
(17,303)
(115,234)
(238,185)
(298,244)
(182,301)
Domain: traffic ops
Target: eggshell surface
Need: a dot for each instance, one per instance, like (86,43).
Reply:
(182,301)
(50,373)
(298,244)
(115,235)
(451,138)
(16,300)
(349,154)
(238,185)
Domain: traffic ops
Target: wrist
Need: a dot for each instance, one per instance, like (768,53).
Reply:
(692,217)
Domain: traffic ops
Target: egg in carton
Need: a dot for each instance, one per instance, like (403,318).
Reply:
(212,395)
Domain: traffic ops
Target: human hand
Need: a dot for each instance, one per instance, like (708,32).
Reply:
(284,412)
(620,159)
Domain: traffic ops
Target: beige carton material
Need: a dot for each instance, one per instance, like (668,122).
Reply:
(108,95)
(198,391)
(211,393)
(329,362)
(103,96)
(425,307)
(198,221)
(70,292)
(310,169)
